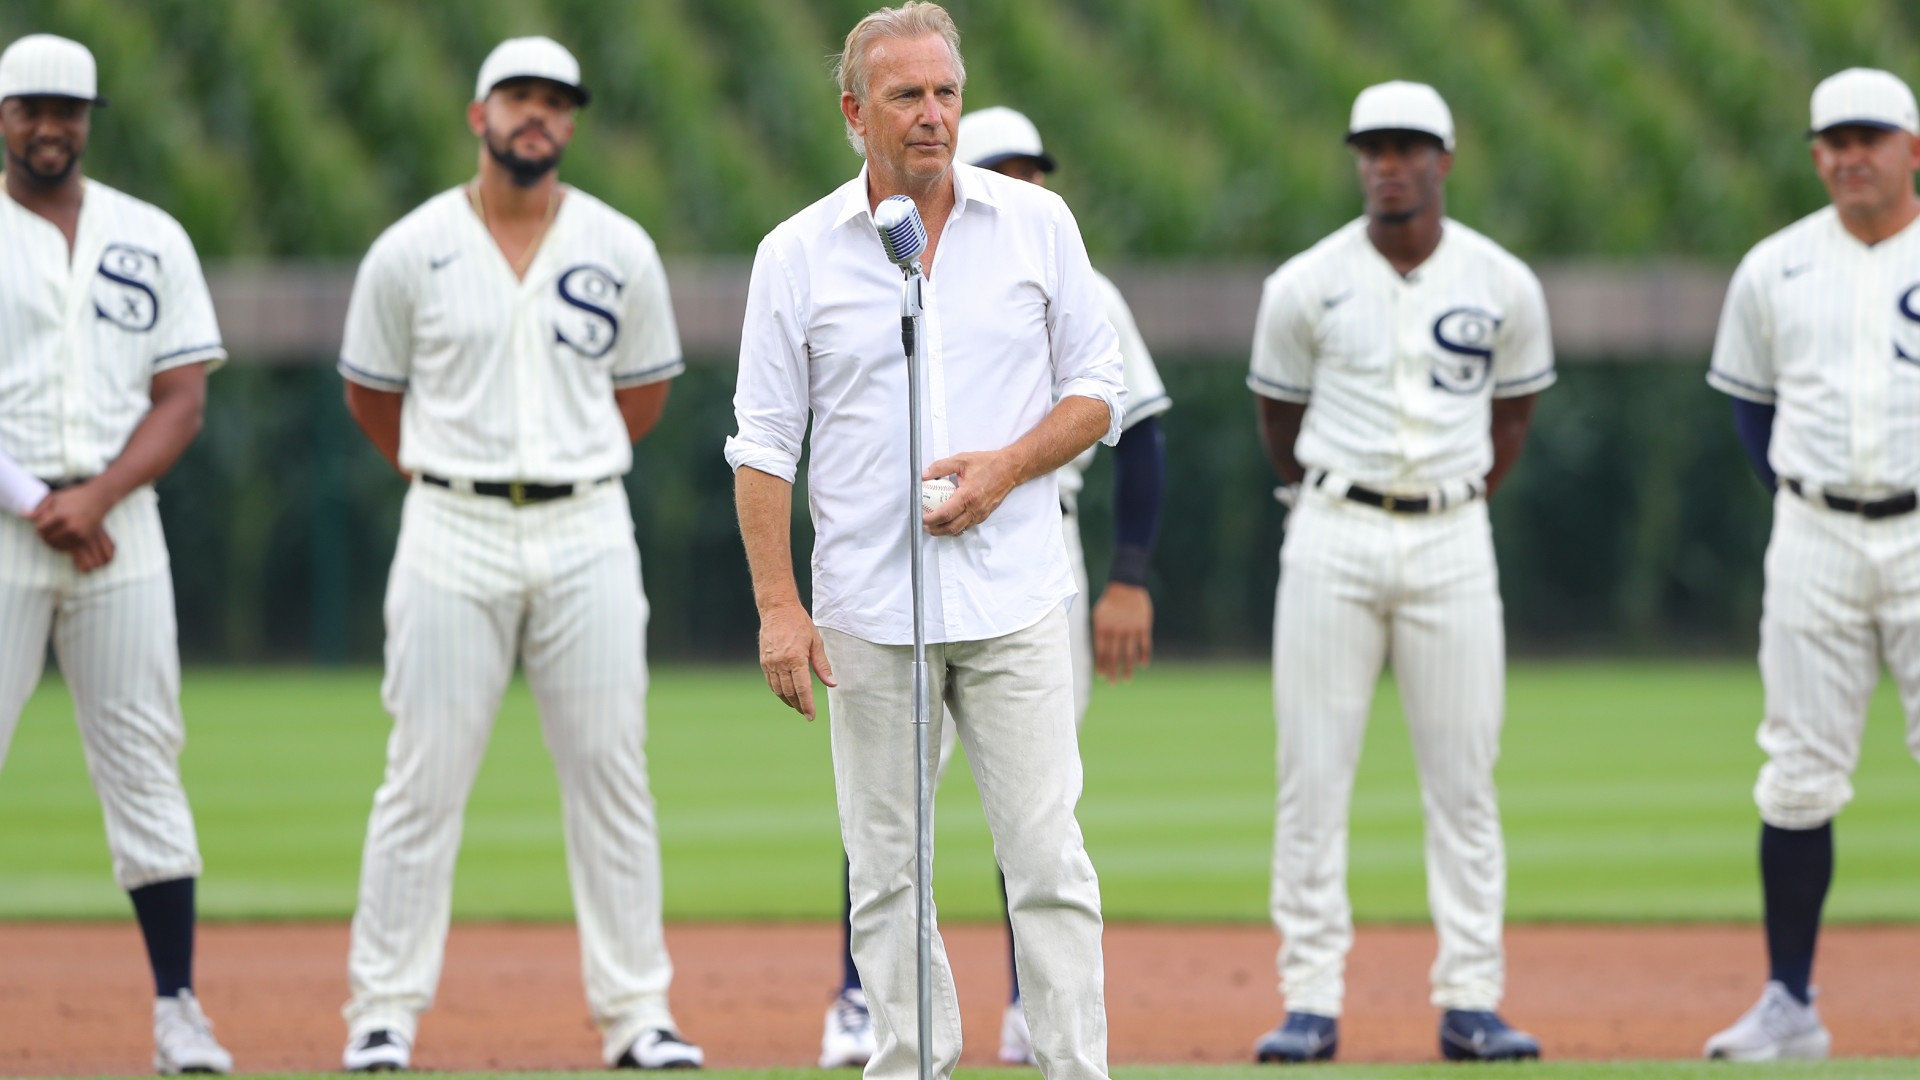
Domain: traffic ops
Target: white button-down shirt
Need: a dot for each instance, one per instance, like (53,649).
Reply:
(1146,394)
(1828,329)
(1014,321)
(1401,372)
(82,335)
(511,378)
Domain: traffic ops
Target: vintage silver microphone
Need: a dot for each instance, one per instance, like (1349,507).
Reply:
(904,237)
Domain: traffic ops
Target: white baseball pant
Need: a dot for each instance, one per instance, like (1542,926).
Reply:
(1358,584)
(1841,593)
(1011,700)
(476,582)
(113,632)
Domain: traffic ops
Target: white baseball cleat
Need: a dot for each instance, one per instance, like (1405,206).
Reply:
(1016,1042)
(848,1039)
(183,1039)
(380,1050)
(1775,1028)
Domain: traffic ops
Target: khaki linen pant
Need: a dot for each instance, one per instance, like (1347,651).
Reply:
(1011,699)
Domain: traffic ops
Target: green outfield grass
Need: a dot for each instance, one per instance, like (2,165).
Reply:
(1625,789)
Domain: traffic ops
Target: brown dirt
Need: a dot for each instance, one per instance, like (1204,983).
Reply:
(73,997)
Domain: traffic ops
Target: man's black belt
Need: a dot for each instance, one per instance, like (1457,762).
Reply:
(1393,504)
(1872,509)
(61,485)
(517,492)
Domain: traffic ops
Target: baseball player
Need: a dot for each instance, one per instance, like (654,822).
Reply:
(1396,364)
(1023,374)
(1819,345)
(1121,623)
(506,344)
(108,337)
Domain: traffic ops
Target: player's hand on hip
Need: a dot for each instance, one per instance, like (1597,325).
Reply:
(790,652)
(981,480)
(1122,631)
(67,519)
(96,552)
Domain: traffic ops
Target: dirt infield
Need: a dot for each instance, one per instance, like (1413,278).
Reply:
(73,998)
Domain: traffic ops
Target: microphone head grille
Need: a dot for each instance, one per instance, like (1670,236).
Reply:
(901,232)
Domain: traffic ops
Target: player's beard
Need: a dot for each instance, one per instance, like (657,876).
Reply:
(524,171)
(41,178)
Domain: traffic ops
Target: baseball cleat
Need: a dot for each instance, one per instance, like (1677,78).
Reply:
(848,1039)
(183,1039)
(379,1050)
(1303,1037)
(661,1048)
(1480,1035)
(1777,1027)
(1016,1042)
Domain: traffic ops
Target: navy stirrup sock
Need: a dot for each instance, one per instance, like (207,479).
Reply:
(165,911)
(1796,867)
(849,975)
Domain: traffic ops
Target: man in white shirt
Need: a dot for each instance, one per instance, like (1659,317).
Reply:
(506,345)
(1396,364)
(1819,346)
(1023,373)
(107,334)
(1121,623)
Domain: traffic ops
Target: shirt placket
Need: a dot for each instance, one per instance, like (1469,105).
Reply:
(1404,296)
(77,317)
(1867,373)
(524,353)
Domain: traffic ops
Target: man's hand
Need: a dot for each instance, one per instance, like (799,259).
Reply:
(95,553)
(1122,631)
(69,518)
(982,479)
(790,645)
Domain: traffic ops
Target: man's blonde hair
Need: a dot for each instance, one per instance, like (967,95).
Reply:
(910,21)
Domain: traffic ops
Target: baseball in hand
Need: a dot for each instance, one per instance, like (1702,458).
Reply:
(936,491)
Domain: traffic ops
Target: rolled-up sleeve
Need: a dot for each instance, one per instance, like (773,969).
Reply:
(1086,350)
(770,398)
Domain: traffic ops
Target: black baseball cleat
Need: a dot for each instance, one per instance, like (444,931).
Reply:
(661,1048)
(1480,1035)
(378,1051)
(1303,1037)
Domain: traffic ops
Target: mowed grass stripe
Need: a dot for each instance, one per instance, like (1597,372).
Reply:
(1626,791)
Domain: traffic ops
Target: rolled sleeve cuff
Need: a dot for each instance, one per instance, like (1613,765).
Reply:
(658,373)
(1279,391)
(1746,391)
(767,459)
(369,379)
(1106,394)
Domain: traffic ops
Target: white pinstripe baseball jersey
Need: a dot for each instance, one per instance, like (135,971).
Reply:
(505,378)
(1401,370)
(1829,329)
(84,332)
(1146,394)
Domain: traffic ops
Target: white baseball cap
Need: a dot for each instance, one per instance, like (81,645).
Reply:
(1402,106)
(42,65)
(530,58)
(1867,97)
(990,136)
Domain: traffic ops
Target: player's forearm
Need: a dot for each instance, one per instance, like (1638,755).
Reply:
(765,505)
(378,414)
(179,406)
(1279,423)
(1072,425)
(641,406)
(1512,418)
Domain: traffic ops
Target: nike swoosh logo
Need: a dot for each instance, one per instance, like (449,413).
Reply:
(435,264)
(1337,299)
(1795,271)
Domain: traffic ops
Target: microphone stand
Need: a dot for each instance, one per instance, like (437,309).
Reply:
(910,312)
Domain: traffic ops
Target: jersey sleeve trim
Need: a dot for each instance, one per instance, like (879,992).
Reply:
(212,352)
(657,373)
(369,379)
(1266,387)
(1526,384)
(1137,411)
(1747,391)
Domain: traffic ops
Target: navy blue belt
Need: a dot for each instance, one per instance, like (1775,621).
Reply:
(1871,509)
(518,492)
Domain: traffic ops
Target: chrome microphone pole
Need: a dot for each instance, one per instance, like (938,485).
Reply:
(903,237)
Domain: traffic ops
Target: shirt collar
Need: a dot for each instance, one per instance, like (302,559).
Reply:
(968,187)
